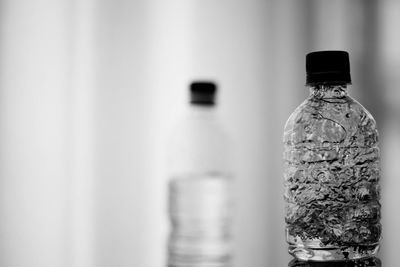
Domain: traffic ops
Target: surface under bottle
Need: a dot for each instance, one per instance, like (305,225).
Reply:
(331,178)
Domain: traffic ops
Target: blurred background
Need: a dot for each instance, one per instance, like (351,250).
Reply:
(89,90)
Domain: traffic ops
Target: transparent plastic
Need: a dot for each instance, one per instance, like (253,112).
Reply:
(200,192)
(331,178)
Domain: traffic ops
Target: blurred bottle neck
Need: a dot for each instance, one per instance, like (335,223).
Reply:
(328,90)
(206,112)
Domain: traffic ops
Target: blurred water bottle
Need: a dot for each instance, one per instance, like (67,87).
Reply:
(200,186)
(332,169)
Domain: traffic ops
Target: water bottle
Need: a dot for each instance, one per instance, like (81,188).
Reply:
(331,175)
(200,186)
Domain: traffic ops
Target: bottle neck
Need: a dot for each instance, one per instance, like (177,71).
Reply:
(197,111)
(328,90)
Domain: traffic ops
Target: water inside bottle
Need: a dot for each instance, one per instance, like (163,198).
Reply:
(331,180)
(200,208)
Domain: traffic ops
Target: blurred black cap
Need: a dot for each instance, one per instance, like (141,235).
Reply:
(328,67)
(203,92)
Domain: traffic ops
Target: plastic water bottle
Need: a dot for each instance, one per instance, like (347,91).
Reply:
(332,171)
(200,186)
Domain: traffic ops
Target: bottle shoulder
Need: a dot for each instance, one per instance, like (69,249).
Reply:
(196,132)
(198,146)
(342,121)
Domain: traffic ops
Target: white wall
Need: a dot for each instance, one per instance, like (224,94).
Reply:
(34,133)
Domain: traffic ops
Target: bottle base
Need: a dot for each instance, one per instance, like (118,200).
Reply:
(366,262)
(199,260)
(334,253)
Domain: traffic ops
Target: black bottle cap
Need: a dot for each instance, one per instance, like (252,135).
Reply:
(203,93)
(328,67)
